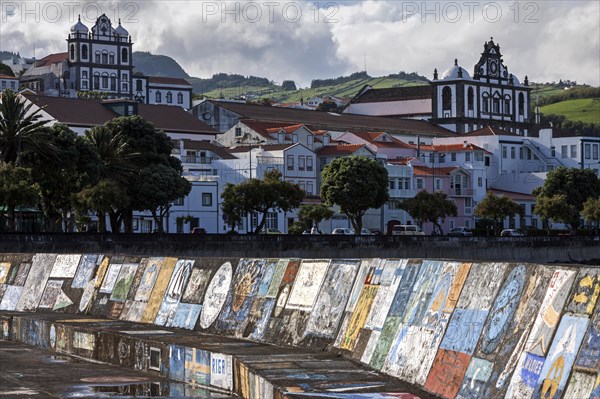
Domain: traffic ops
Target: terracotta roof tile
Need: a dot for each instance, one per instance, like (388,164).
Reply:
(2,76)
(372,137)
(51,59)
(206,145)
(427,171)
(173,119)
(315,120)
(489,131)
(340,149)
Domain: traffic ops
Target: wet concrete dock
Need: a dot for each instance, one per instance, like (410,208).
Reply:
(141,360)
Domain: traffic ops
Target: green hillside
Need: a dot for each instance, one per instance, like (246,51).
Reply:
(585,110)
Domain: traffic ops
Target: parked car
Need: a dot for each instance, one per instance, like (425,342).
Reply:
(376,231)
(366,232)
(407,230)
(343,231)
(198,230)
(460,232)
(511,233)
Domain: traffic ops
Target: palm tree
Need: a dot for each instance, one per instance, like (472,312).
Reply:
(21,129)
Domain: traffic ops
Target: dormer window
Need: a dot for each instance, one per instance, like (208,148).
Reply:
(281,137)
(238,132)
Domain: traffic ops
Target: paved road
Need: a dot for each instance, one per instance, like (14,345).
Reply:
(29,372)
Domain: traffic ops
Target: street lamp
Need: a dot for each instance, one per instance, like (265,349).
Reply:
(432,159)
(251,142)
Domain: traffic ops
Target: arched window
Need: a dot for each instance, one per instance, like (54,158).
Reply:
(113,82)
(447,99)
(158,97)
(84,52)
(96,81)
(105,57)
(111,58)
(521,104)
(179,98)
(507,107)
(97,57)
(169,98)
(124,55)
(496,104)
(72,51)
(485,103)
(470,99)
(105,80)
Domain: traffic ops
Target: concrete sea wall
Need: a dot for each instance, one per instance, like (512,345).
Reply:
(457,329)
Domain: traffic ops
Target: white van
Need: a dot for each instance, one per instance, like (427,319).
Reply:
(407,230)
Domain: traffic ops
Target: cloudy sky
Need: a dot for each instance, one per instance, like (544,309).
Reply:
(301,40)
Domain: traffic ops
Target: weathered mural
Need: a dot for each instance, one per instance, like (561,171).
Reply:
(459,330)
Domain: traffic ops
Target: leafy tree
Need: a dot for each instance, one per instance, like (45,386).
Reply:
(576,185)
(430,207)
(60,178)
(355,184)
(497,209)
(591,210)
(102,198)
(556,208)
(260,196)
(327,106)
(313,214)
(21,129)
(131,151)
(288,85)
(16,189)
(158,186)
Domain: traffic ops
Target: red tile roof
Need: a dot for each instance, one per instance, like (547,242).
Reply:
(205,145)
(489,131)
(427,171)
(51,59)
(287,129)
(453,148)
(168,81)
(2,76)
(372,137)
(341,149)
(78,112)
(315,120)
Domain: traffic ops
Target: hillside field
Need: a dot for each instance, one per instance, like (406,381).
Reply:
(582,110)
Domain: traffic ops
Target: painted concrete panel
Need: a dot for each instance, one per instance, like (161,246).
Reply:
(158,292)
(476,378)
(585,292)
(307,284)
(4,271)
(549,315)
(22,274)
(177,362)
(561,356)
(37,277)
(65,266)
(589,354)
(221,371)
(216,294)
(580,385)
(277,278)
(186,315)
(85,270)
(447,373)
(197,366)
(148,279)
(359,316)
(11,297)
(110,279)
(331,301)
(525,378)
(123,282)
(196,287)
(174,292)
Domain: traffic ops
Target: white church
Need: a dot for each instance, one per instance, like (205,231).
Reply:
(99,60)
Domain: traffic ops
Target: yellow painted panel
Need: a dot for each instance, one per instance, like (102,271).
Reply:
(158,292)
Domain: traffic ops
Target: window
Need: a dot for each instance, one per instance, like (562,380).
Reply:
(178,202)
(587,148)
(322,164)
(207,199)
(105,81)
(169,97)
(310,140)
(496,105)
(179,98)
(309,164)
(113,83)
(480,182)
(453,157)
(447,99)
(503,151)
(124,55)
(124,76)
(97,57)
(294,138)
(104,57)
(84,74)
(467,157)
(442,158)
(310,188)
(301,163)
(271,222)
(487,161)
(146,226)
(97,82)
(438,184)
(470,98)
(158,97)
(553,152)
(521,151)
(84,84)
(138,85)
(4,84)
(238,132)
(564,151)
(392,184)
(595,151)
(478,156)
(302,185)
(521,104)
(573,151)
(512,153)
(507,105)
(290,162)
(111,58)
(419,184)
(72,51)
(124,87)
(84,51)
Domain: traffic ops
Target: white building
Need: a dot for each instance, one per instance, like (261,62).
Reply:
(8,82)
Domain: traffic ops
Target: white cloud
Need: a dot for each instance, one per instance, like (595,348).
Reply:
(294,40)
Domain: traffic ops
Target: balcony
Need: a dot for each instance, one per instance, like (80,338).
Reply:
(461,192)
(196,160)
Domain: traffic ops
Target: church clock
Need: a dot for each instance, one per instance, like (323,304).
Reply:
(493,67)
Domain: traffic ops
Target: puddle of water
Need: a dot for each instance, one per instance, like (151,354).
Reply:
(143,390)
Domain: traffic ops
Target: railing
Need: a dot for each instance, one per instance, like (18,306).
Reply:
(553,162)
(461,192)
(196,160)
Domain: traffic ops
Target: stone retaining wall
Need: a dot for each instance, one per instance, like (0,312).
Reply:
(457,329)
